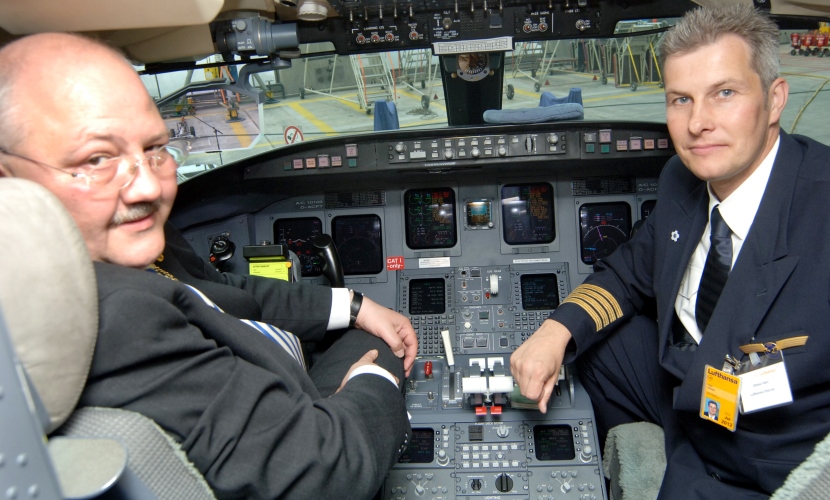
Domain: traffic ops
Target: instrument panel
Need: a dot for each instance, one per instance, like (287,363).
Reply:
(476,250)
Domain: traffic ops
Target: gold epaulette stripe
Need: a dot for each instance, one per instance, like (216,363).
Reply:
(609,299)
(587,307)
(597,302)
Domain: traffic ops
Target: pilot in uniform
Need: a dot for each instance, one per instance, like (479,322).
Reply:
(778,289)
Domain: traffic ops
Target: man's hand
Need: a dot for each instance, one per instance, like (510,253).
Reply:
(394,328)
(535,364)
(367,359)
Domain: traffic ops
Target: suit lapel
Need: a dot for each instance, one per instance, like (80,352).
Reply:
(759,274)
(688,219)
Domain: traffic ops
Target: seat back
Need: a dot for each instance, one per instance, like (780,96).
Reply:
(48,296)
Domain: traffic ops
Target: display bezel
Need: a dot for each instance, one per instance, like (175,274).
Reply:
(550,232)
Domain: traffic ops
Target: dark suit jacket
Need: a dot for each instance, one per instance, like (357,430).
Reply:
(299,308)
(244,411)
(778,288)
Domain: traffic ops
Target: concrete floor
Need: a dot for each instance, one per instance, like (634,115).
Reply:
(323,114)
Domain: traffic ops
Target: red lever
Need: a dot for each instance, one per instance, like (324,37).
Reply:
(428,369)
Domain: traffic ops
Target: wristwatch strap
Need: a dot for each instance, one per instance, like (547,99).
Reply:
(354,307)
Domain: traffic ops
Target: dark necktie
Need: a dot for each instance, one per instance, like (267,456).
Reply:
(715,271)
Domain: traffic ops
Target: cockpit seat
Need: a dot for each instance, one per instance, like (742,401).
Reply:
(48,331)
(551,108)
(634,461)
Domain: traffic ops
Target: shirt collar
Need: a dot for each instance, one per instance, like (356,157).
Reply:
(739,208)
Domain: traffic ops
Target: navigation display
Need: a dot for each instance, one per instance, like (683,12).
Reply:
(426,296)
(603,227)
(527,213)
(539,292)
(554,442)
(430,218)
(359,243)
(297,235)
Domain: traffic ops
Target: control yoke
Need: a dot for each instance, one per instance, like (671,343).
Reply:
(332,269)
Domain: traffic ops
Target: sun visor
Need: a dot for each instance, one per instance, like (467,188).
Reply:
(37,16)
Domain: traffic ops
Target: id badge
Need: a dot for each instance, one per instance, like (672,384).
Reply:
(764,383)
(719,398)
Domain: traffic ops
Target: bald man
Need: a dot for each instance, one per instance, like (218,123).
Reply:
(234,394)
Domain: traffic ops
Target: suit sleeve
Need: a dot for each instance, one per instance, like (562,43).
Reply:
(245,413)
(299,308)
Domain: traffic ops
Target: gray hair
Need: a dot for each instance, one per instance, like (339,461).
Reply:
(706,25)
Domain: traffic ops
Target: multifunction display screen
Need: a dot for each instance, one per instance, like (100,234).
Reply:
(539,292)
(421,448)
(297,235)
(359,243)
(603,227)
(553,442)
(430,218)
(426,296)
(527,213)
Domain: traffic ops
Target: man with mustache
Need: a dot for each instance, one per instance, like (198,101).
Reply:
(233,393)
(734,164)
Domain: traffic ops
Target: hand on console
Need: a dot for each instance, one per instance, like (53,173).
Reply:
(535,364)
(367,359)
(394,328)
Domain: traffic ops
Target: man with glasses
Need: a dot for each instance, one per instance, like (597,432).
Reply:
(77,119)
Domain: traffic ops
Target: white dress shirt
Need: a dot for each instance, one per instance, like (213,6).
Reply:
(738,211)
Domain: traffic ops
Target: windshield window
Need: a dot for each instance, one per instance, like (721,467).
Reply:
(329,95)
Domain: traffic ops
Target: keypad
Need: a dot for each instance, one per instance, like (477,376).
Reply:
(429,329)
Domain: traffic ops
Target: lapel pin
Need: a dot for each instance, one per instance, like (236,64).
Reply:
(675,236)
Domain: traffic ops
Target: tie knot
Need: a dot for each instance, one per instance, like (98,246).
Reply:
(719,227)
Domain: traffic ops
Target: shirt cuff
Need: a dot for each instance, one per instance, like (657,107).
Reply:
(375,370)
(340,301)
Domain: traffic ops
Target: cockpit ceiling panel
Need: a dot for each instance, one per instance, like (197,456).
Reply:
(36,16)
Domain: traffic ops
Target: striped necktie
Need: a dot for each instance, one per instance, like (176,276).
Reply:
(287,340)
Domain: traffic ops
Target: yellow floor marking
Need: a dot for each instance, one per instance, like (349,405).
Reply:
(320,124)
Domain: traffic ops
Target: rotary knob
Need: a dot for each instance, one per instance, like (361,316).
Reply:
(448,153)
(586,454)
(400,147)
(502,151)
(419,490)
(475,152)
(553,139)
(504,483)
(566,487)
(443,459)
(502,431)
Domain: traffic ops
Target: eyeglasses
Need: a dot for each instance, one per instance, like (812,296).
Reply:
(120,171)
